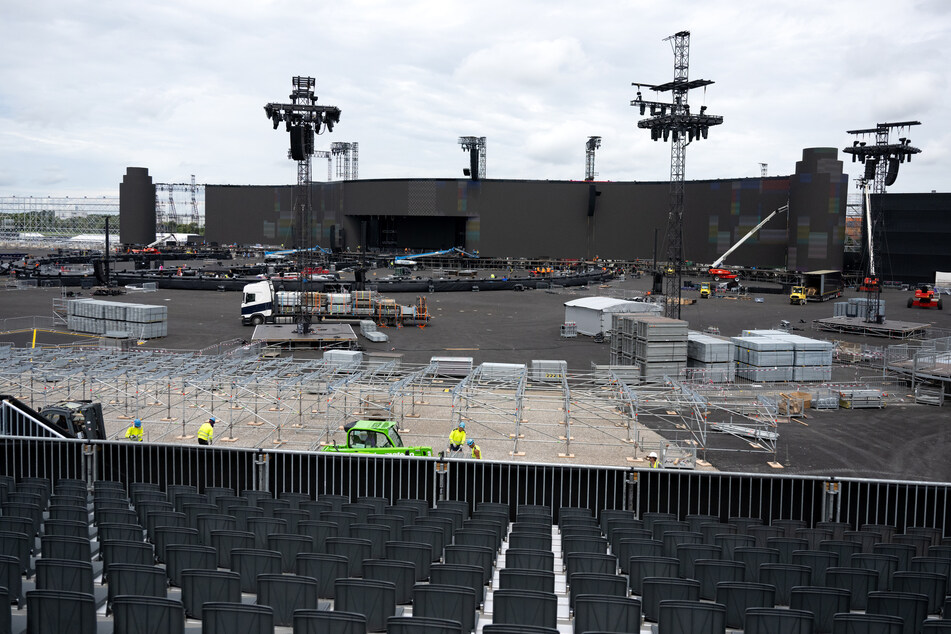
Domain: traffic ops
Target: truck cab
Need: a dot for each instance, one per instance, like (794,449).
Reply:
(375,437)
(257,303)
(76,419)
(704,290)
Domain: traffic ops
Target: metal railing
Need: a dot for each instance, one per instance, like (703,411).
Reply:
(810,498)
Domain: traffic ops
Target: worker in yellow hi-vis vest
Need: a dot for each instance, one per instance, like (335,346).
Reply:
(206,432)
(475,452)
(134,432)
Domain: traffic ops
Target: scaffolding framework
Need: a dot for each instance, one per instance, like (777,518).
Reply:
(179,204)
(57,217)
(347,158)
(594,418)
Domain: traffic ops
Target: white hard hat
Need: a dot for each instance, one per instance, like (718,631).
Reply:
(652,454)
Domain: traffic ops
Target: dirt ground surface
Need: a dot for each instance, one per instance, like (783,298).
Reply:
(903,441)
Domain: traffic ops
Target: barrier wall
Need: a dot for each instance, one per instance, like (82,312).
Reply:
(813,499)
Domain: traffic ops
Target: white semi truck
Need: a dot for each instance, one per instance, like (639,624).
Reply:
(262,304)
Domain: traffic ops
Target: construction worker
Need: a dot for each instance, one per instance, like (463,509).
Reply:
(474,451)
(652,460)
(457,437)
(206,432)
(134,432)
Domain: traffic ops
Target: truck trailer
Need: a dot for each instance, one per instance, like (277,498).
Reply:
(817,286)
(262,304)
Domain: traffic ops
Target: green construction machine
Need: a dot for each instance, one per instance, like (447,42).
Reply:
(375,437)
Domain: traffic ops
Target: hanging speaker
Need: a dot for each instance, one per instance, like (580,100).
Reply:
(593,194)
(870,165)
(297,143)
(892,174)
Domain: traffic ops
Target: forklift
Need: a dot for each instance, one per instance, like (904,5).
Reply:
(925,297)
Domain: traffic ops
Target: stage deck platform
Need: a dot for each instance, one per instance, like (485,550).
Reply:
(891,328)
(320,336)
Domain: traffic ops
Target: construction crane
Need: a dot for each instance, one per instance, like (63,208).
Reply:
(721,273)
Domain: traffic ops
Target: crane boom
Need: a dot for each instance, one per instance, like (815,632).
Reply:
(746,237)
(868,229)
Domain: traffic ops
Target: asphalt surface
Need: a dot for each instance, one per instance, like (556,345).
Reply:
(902,442)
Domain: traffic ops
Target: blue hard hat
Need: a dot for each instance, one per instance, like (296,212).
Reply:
(470,442)
(462,425)
(212,420)
(137,422)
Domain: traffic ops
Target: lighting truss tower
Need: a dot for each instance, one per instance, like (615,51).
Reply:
(302,118)
(594,142)
(348,159)
(673,120)
(881,161)
(475,146)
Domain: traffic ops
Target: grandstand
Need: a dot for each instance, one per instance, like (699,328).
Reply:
(141,537)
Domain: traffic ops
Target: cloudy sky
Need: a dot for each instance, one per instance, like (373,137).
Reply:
(89,88)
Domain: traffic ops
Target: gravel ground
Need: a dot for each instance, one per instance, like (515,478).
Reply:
(517,327)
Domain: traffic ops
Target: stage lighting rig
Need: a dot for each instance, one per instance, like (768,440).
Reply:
(475,146)
(302,118)
(882,159)
(673,121)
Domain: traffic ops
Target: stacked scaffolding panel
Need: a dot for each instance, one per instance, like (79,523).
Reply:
(100,317)
(658,345)
(775,355)
(710,358)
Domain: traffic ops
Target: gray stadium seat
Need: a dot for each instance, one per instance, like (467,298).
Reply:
(818,562)
(824,603)
(121,552)
(319,531)
(590,562)
(123,532)
(911,608)
(785,577)
(710,572)
(11,580)
(203,586)
(74,548)
(402,574)
(523,607)
(453,603)
(778,621)
(56,611)
(657,589)
(165,536)
(420,555)
(641,568)
(866,624)
(148,615)
(738,596)
(325,568)
(753,558)
(883,564)
(463,575)
(355,550)
(187,557)
(374,599)
(286,593)
(535,580)
(289,545)
(72,576)
(135,580)
(17,546)
(592,583)
(376,534)
(858,581)
(474,556)
(421,625)
(637,547)
(251,562)
(529,559)
(691,617)
(673,539)
(236,618)
(264,526)
(214,522)
(224,541)
(328,622)
(426,535)
(606,614)
(931,584)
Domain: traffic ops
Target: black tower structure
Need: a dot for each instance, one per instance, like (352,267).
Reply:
(475,146)
(882,161)
(594,142)
(302,119)
(673,121)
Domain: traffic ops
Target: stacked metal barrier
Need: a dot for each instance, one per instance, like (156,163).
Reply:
(776,355)
(103,317)
(710,358)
